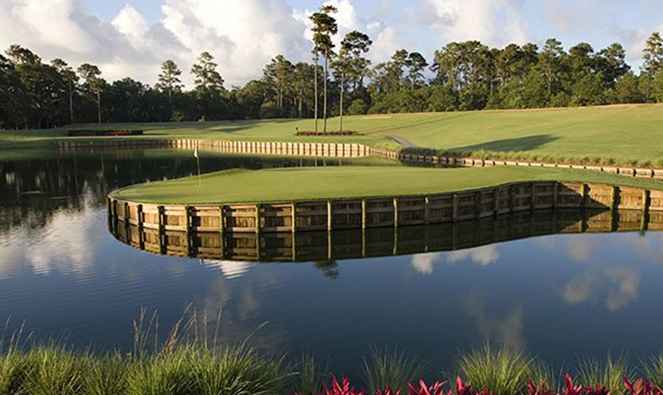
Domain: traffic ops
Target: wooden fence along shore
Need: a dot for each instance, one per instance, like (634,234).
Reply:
(178,228)
(377,242)
(336,150)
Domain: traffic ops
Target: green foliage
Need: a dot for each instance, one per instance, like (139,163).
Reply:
(653,369)
(391,369)
(504,372)
(609,373)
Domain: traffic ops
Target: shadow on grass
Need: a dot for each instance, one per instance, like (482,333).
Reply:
(521,144)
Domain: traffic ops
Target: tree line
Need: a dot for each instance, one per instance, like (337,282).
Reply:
(340,80)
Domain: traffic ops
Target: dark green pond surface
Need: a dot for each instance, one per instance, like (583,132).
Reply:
(559,297)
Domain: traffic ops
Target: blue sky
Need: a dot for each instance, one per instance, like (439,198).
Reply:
(132,37)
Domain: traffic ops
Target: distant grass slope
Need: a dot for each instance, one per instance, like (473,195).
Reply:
(237,186)
(626,134)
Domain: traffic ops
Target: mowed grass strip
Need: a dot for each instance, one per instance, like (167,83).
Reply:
(310,183)
(623,134)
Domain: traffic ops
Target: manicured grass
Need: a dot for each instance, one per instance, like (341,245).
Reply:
(625,134)
(237,186)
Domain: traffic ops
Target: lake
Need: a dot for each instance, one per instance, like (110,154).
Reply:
(532,283)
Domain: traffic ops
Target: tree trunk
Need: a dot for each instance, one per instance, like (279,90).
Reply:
(324,108)
(341,109)
(300,104)
(71,103)
(315,91)
(99,106)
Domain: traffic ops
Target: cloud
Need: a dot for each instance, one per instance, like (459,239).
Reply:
(493,22)
(231,270)
(615,286)
(66,244)
(243,35)
(423,263)
(507,330)
(482,256)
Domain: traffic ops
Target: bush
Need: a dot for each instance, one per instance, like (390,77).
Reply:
(358,107)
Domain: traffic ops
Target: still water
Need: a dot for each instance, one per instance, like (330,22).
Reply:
(556,296)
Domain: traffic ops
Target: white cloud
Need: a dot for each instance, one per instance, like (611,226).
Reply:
(616,286)
(243,35)
(482,256)
(494,22)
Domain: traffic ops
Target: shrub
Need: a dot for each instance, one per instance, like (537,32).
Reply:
(390,369)
(610,374)
(504,372)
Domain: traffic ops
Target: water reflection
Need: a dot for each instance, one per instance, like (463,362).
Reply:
(325,248)
(552,284)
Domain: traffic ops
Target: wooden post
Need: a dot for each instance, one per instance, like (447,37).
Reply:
(533,197)
(478,206)
(395,212)
(555,195)
(189,225)
(496,202)
(511,197)
(330,217)
(645,201)
(162,233)
(363,214)
(258,218)
(141,231)
(583,189)
(293,217)
(395,251)
(454,208)
(427,210)
(613,198)
(330,250)
(222,220)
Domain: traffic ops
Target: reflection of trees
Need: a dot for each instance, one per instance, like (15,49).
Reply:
(32,190)
(328,268)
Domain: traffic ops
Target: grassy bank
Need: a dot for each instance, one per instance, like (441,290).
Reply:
(198,369)
(237,186)
(623,134)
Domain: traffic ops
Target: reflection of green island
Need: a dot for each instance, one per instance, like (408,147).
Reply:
(291,184)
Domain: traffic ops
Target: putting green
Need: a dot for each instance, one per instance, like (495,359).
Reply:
(291,184)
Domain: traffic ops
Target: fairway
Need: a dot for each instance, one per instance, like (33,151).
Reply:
(239,186)
(622,134)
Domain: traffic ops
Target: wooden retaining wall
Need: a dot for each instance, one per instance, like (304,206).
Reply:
(376,242)
(473,162)
(318,150)
(336,150)
(377,212)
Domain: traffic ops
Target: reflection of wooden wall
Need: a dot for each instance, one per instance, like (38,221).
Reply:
(337,214)
(382,241)
(333,150)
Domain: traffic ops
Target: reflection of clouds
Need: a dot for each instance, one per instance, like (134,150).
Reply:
(580,249)
(64,244)
(483,256)
(242,303)
(649,247)
(423,263)
(506,331)
(230,269)
(618,285)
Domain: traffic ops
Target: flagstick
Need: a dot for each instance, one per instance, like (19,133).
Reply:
(195,153)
